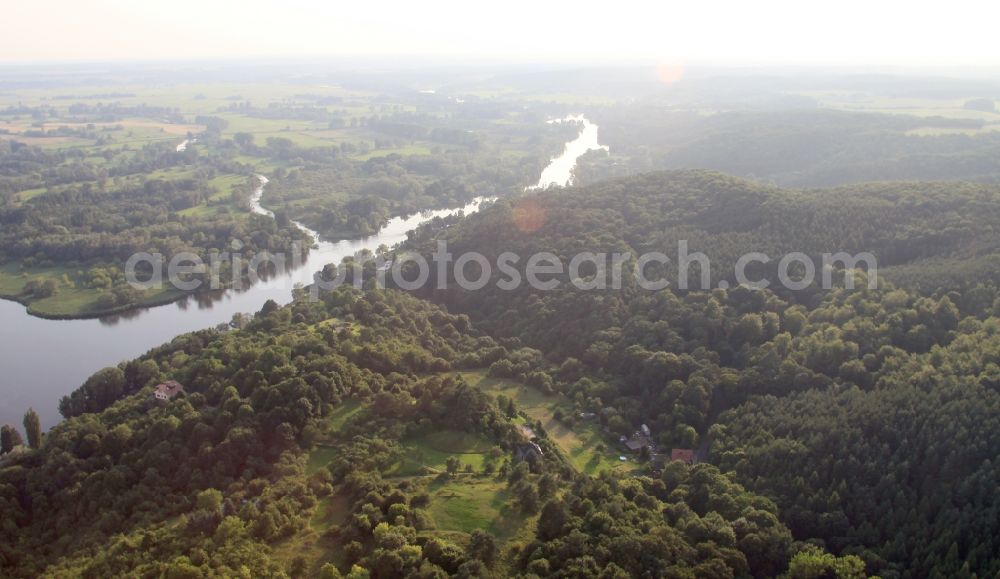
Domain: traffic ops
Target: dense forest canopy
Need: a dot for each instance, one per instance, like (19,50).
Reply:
(832,403)
(216,480)
(797,147)
(835,432)
(719,432)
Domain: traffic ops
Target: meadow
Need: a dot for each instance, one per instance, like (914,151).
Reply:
(580,443)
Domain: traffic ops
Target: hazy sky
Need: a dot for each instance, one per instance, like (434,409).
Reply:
(693,31)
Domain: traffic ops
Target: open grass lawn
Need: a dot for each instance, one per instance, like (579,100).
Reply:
(578,443)
(224,184)
(430,453)
(332,510)
(311,543)
(584,455)
(312,546)
(342,414)
(319,457)
(203,210)
(29,194)
(83,302)
(220,201)
(464,504)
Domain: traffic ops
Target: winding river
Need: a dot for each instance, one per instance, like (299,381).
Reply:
(559,171)
(42,360)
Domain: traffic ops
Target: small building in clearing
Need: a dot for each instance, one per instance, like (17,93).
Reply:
(641,439)
(528,451)
(685,455)
(167,390)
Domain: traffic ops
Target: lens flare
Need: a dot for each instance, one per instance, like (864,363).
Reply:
(529,215)
(670,72)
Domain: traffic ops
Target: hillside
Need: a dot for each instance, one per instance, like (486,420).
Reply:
(833,433)
(335,438)
(856,411)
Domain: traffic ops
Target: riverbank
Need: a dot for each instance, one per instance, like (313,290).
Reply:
(72,298)
(559,171)
(44,360)
(46,314)
(67,305)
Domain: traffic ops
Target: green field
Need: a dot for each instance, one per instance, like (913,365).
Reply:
(578,443)
(331,511)
(73,298)
(342,414)
(429,453)
(319,457)
(221,200)
(952,108)
(463,505)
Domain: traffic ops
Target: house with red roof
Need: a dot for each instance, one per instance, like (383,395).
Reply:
(167,390)
(685,455)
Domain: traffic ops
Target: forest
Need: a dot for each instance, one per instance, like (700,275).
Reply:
(221,481)
(843,433)
(794,146)
(374,433)
(85,183)
(860,412)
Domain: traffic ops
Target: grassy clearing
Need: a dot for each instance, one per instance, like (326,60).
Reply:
(72,299)
(29,194)
(219,202)
(312,546)
(319,457)
(463,505)
(342,414)
(331,511)
(578,443)
(431,452)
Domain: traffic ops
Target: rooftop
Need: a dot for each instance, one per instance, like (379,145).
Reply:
(168,389)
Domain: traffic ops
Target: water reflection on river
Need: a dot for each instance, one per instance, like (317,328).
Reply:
(43,360)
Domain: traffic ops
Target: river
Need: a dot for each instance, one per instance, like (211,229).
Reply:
(559,171)
(43,360)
